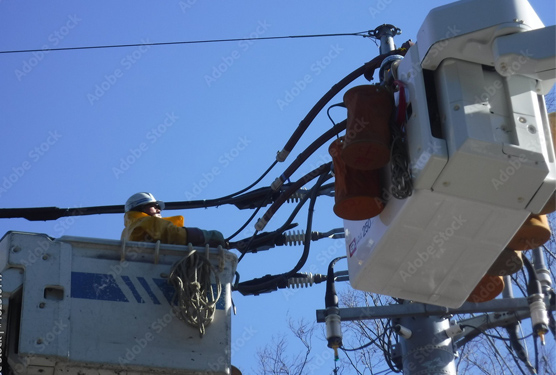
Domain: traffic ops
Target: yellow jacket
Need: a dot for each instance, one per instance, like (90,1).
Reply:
(141,227)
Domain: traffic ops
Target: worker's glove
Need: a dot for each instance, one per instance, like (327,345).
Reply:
(195,236)
(199,237)
(214,238)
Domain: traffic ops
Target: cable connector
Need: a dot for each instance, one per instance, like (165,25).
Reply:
(282,155)
(277,184)
(403,331)
(333,329)
(305,280)
(293,238)
(454,330)
(539,315)
(261,223)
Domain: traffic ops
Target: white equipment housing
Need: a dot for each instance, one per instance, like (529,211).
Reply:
(87,306)
(480,150)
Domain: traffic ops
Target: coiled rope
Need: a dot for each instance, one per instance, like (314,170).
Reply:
(195,299)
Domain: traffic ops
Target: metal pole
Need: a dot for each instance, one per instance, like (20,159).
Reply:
(428,350)
(386,35)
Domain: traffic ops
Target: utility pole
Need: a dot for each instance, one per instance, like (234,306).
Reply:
(385,33)
(426,349)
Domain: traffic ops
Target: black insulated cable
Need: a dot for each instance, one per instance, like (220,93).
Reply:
(270,283)
(366,70)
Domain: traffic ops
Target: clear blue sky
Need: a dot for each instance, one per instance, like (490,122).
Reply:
(199,121)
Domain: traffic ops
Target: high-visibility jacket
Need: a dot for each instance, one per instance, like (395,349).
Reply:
(142,227)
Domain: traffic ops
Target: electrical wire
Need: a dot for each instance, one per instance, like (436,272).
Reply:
(314,146)
(364,34)
(333,106)
(361,347)
(270,282)
(54,213)
(491,335)
(365,70)
(251,217)
(323,169)
(513,349)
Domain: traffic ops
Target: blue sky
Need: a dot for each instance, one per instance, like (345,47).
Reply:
(185,122)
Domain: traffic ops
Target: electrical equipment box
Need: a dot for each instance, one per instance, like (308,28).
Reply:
(77,305)
(480,153)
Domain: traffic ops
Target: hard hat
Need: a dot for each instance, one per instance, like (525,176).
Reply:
(140,199)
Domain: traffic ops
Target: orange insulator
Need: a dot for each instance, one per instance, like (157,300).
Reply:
(487,289)
(367,140)
(550,206)
(533,233)
(508,262)
(357,192)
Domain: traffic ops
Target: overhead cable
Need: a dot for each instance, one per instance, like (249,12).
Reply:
(365,34)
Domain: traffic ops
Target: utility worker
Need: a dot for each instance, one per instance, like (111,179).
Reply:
(143,222)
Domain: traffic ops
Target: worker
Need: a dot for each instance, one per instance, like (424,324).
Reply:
(143,222)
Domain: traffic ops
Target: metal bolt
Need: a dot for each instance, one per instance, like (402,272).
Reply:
(16,249)
(45,257)
(522,119)
(456,107)
(532,129)
(42,305)
(39,341)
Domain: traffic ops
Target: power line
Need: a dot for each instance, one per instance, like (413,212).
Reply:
(365,34)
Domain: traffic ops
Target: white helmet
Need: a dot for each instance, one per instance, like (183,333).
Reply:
(140,199)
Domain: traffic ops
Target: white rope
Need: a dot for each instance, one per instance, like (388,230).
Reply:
(195,301)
